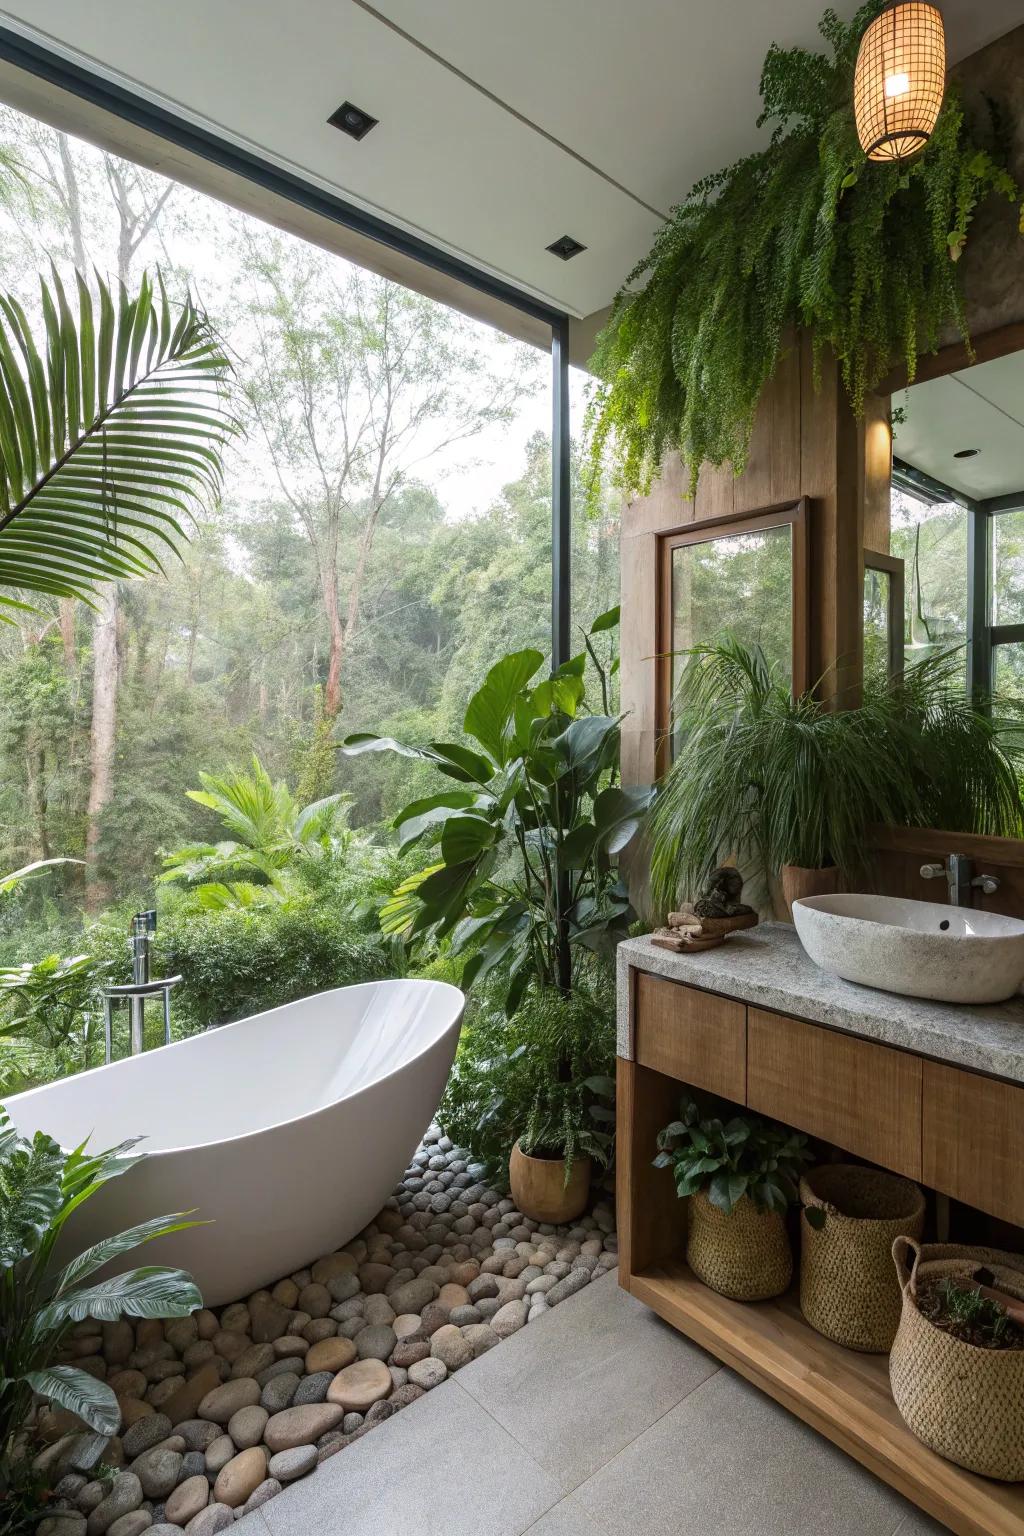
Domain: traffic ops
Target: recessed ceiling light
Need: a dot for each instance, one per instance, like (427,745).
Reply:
(966,453)
(565,247)
(352,120)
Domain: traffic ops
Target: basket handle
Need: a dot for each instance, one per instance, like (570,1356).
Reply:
(907,1273)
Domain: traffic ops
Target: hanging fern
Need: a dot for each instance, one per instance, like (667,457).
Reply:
(806,232)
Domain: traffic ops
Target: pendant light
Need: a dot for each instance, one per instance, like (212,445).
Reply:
(900,80)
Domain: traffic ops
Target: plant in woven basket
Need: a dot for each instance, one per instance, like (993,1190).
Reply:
(805,233)
(969,1315)
(727,1160)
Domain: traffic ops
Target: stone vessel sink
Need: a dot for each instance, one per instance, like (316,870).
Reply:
(914,948)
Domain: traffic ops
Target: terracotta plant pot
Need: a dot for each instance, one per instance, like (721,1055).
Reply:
(798,882)
(540,1191)
(745,1254)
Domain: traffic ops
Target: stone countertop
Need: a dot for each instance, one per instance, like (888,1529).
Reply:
(767,966)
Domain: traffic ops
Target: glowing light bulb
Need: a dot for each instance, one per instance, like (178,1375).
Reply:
(897,85)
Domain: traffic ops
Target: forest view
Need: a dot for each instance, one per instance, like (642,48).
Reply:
(384,536)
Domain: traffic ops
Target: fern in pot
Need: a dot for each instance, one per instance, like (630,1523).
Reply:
(789,785)
(739,1176)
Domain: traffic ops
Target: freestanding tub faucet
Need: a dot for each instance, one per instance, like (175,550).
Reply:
(958,873)
(135,992)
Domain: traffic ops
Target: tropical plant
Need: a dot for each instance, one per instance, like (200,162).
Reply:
(804,233)
(542,1077)
(526,880)
(742,1156)
(770,779)
(112,427)
(46,1015)
(269,835)
(41,1187)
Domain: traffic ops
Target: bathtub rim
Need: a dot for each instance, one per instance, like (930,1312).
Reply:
(419,982)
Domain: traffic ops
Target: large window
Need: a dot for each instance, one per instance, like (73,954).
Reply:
(931,539)
(383,537)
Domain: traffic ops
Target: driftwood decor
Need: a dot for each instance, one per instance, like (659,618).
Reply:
(708,921)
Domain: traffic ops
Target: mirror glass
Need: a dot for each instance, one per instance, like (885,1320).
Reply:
(958,519)
(739,584)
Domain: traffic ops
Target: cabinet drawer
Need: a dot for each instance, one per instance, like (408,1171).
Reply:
(973,1140)
(863,1097)
(694,1036)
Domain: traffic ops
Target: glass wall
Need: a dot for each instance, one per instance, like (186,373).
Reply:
(383,537)
(931,539)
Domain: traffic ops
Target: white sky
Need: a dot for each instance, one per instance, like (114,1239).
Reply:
(195,235)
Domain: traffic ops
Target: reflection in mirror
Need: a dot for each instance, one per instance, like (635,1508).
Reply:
(739,584)
(876,623)
(958,519)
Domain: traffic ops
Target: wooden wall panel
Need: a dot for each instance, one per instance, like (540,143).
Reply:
(807,443)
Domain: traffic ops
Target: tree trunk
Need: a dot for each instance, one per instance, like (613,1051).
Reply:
(35,759)
(336,632)
(66,609)
(102,742)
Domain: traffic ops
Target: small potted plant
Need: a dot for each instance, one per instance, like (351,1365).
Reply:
(957,1364)
(739,1177)
(570,1128)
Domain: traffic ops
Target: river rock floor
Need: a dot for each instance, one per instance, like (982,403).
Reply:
(222,1410)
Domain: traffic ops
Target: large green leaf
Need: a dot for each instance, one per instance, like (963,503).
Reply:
(490,709)
(67,1387)
(110,435)
(147,1292)
(30,1191)
(466,837)
(111,1248)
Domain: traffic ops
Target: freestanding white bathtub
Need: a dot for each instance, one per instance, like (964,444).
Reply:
(287,1130)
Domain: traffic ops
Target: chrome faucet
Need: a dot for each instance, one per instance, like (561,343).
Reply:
(958,872)
(135,992)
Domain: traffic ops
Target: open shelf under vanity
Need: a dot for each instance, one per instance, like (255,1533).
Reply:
(869,1100)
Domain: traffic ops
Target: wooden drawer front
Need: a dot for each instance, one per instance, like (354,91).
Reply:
(694,1036)
(863,1097)
(973,1141)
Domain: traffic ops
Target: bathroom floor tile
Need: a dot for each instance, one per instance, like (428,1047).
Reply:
(583,1381)
(730,1460)
(441,1465)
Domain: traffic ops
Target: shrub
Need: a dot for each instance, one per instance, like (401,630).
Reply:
(239,961)
(542,1076)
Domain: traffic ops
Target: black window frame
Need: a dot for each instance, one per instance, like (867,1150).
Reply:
(69,76)
(983,636)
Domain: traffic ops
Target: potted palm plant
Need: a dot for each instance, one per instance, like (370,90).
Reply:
(788,786)
(739,1177)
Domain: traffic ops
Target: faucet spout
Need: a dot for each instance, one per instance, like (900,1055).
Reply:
(958,872)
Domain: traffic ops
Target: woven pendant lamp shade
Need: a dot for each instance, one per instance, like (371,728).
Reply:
(900,80)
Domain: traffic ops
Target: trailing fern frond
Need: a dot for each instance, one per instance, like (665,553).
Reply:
(806,233)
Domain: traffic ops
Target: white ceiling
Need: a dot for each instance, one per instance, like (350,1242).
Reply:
(983,408)
(606,110)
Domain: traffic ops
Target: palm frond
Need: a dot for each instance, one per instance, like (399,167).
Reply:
(113,426)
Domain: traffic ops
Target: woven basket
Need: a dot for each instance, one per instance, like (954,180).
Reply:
(848,1290)
(744,1254)
(964,1402)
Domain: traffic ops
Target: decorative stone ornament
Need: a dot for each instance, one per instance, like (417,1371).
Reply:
(900,80)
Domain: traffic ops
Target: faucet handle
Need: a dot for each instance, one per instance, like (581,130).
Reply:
(986,884)
(933,871)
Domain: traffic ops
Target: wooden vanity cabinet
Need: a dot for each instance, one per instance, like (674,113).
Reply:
(696,1037)
(973,1140)
(956,1131)
(854,1093)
